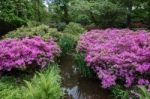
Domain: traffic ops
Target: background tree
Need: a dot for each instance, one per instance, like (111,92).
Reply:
(102,13)
(14,13)
(60,9)
(136,9)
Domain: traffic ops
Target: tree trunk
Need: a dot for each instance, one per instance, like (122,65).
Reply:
(93,18)
(66,16)
(129,14)
(38,11)
(128,20)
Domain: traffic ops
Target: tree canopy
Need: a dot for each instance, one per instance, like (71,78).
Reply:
(102,13)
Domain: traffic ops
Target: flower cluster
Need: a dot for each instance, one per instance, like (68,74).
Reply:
(118,54)
(20,53)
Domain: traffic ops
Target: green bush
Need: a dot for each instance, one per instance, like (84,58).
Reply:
(45,85)
(67,43)
(41,30)
(74,29)
(54,33)
(69,37)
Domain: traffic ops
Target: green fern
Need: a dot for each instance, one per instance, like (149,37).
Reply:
(143,93)
(45,85)
(119,92)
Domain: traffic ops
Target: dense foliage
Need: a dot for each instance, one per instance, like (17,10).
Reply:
(118,55)
(103,13)
(45,85)
(69,37)
(143,93)
(10,89)
(58,13)
(32,30)
(19,11)
(74,29)
(19,53)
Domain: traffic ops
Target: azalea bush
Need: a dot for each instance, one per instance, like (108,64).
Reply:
(118,55)
(25,52)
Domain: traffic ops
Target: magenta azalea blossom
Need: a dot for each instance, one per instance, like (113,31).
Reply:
(118,54)
(20,53)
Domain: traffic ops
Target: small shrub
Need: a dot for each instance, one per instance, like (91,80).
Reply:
(68,39)
(74,29)
(54,33)
(118,54)
(67,43)
(30,31)
(22,53)
(45,85)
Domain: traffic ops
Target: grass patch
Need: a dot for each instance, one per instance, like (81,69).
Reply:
(81,64)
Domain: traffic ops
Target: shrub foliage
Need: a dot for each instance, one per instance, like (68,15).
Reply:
(32,30)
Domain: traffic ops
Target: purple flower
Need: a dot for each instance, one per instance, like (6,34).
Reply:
(123,53)
(19,53)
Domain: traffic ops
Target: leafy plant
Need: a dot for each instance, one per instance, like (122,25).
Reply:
(9,89)
(119,92)
(68,39)
(45,85)
(74,29)
(67,43)
(33,30)
(81,64)
(143,93)
(52,32)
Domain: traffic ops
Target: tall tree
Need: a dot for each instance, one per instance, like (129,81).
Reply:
(130,6)
(15,13)
(101,12)
(61,8)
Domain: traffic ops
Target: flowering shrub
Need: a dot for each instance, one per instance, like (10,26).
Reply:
(118,55)
(20,53)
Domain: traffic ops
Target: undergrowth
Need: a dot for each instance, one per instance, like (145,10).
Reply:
(45,84)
